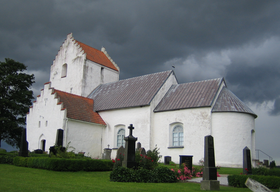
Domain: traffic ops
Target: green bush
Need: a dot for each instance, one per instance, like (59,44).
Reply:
(62,164)
(158,175)
(265,171)
(149,161)
(7,158)
(271,182)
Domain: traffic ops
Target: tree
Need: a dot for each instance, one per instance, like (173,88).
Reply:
(15,99)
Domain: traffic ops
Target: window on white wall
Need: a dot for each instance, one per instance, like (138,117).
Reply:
(39,124)
(120,138)
(177,136)
(64,70)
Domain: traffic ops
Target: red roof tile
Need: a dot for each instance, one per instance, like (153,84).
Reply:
(79,108)
(97,56)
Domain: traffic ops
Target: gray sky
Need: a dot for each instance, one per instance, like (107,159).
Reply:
(238,40)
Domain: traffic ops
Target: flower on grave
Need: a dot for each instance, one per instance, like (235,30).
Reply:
(246,169)
(218,175)
(152,160)
(172,170)
(118,159)
(113,161)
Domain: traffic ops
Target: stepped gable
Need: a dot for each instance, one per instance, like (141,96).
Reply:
(97,56)
(190,95)
(228,102)
(78,107)
(133,92)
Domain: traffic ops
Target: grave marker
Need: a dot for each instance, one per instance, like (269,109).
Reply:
(129,155)
(247,167)
(209,181)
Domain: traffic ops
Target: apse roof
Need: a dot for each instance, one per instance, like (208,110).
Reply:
(137,91)
(190,95)
(78,107)
(228,102)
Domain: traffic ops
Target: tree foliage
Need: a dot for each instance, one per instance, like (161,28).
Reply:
(15,99)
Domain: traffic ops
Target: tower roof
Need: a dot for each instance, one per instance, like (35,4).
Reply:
(97,56)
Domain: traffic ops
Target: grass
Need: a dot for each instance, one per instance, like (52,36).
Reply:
(13,178)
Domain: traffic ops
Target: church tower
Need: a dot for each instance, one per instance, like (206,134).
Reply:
(79,68)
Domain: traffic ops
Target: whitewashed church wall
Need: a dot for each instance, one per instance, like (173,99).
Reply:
(232,133)
(138,116)
(95,74)
(43,120)
(84,137)
(74,58)
(196,124)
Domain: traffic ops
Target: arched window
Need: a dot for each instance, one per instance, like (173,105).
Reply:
(64,70)
(177,136)
(120,138)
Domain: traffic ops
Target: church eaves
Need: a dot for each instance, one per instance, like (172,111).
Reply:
(78,107)
(228,102)
(190,95)
(132,92)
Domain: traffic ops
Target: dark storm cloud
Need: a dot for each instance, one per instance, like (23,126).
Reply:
(204,39)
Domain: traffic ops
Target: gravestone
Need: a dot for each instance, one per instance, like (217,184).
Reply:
(141,150)
(107,153)
(58,142)
(23,144)
(256,186)
(247,166)
(167,160)
(187,160)
(209,181)
(59,138)
(265,162)
(120,153)
(129,155)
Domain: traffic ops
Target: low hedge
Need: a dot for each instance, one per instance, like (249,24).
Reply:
(157,175)
(272,182)
(7,158)
(266,171)
(61,164)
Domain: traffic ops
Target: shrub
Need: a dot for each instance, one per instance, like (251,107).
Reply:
(7,158)
(271,182)
(158,175)
(149,161)
(265,171)
(164,175)
(62,164)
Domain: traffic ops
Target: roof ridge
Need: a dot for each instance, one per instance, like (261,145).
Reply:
(200,81)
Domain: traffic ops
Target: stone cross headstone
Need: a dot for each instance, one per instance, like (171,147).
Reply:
(265,162)
(23,144)
(209,181)
(187,160)
(247,167)
(129,155)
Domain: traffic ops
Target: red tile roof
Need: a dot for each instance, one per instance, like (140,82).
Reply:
(79,108)
(97,56)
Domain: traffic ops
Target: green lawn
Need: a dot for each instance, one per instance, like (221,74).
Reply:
(13,178)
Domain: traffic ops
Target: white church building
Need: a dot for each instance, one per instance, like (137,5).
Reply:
(86,99)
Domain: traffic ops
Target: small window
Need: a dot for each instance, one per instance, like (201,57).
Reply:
(46,123)
(177,136)
(39,124)
(64,70)
(120,138)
